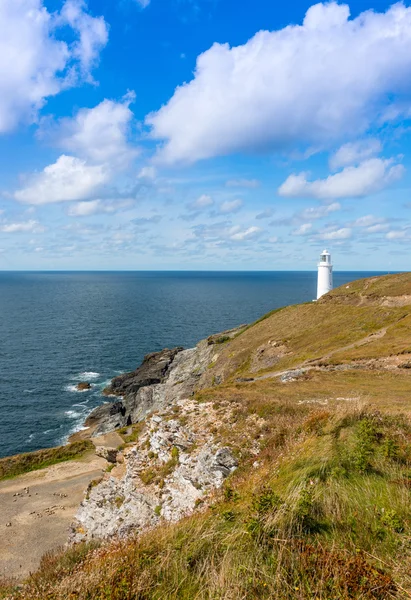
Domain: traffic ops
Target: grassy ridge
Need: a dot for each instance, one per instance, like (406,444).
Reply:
(11,466)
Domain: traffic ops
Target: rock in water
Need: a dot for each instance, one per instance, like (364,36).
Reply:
(83,386)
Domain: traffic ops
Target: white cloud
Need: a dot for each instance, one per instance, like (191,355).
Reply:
(319,212)
(94,207)
(202,202)
(354,153)
(92,33)
(367,221)
(100,133)
(243,183)
(396,235)
(67,179)
(303,229)
(370,176)
(231,206)
(84,209)
(143,3)
(34,63)
(339,234)
(147,173)
(245,234)
(311,85)
(377,228)
(22,227)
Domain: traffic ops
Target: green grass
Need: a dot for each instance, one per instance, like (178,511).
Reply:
(316,522)
(323,512)
(12,466)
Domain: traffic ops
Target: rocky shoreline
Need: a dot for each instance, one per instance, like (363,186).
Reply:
(173,464)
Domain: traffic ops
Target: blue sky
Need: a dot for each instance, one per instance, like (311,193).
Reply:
(204,134)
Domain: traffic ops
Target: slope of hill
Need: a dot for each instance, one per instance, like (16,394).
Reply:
(313,403)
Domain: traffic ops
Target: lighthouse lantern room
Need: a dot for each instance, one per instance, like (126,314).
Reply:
(325,274)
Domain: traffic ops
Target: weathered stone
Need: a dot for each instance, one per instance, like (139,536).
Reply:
(110,454)
(135,502)
(152,370)
(174,465)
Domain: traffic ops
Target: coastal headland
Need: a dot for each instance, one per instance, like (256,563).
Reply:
(273,460)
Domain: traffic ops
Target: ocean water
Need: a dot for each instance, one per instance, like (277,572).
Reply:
(59,328)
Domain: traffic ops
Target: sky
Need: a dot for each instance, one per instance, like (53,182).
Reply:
(204,135)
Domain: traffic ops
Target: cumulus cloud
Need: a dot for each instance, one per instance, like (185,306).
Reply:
(396,235)
(147,173)
(367,221)
(204,201)
(304,229)
(99,134)
(92,33)
(243,183)
(318,212)
(84,209)
(22,227)
(370,176)
(34,63)
(312,85)
(224,233)
(231,206)
(245,234)
(95,207)
(338,234)
(354,152)
(68,179)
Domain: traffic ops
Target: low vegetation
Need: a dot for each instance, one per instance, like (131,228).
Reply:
(12,466)
(320,506)
(328,518)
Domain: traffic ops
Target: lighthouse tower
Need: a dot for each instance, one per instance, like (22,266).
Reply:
(325,274)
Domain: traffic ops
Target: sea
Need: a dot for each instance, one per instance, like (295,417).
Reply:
(60,328)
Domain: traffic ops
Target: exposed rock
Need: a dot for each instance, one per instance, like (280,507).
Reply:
(83,386)
(175,464)
(181,374)
(110,454)
(107,417)
(292,375)
(152,370)
(168,474)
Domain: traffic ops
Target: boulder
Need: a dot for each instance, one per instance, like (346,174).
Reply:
(83,386)
(110,454)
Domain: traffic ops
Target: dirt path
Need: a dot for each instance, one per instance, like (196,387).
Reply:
(36,509)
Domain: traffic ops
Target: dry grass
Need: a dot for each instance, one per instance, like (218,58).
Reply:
(308,331)
(328,517)
(323,512)
(12,466)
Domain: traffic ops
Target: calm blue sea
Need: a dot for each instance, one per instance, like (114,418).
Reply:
(58,328)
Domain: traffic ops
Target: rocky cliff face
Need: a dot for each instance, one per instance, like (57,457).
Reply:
(175,463)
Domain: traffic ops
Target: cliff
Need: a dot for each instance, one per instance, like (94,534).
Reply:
(173,461)
(269,462)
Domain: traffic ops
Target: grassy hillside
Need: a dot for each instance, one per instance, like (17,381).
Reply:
(323,511)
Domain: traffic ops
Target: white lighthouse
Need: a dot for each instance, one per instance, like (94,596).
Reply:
(325,274)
